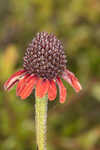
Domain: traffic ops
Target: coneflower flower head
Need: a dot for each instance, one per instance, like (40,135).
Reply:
(45,56)
(44,66)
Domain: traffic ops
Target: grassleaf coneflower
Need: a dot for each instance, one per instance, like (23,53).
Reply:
(43,67)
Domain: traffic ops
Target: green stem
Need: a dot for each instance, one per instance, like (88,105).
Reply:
(41,120)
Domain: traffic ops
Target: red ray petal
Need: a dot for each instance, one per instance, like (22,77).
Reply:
(72,80)
(42,87)
(28,86)
(21,84)
(52,91)
(13,79)
(62,90)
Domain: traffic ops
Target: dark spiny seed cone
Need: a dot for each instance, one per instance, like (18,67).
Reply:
(45,56)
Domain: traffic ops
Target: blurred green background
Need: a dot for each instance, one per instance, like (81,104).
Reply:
(74,125)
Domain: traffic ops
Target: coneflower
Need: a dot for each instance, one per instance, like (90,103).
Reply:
(44,66)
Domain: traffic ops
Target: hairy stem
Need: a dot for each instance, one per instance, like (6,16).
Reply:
(40,122)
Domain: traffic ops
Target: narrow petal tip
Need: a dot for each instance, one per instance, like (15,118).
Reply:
(78,86)
(13,80)
(62,90)
(72,80)
(7,87)
(52,91)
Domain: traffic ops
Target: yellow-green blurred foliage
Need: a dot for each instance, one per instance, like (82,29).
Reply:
(74,125)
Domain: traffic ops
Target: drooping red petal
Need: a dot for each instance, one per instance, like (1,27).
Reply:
(27,89)
(27,86)
(52,91)
(21,84)
(13,79)
(42,87)
(62,90)
(72,80)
